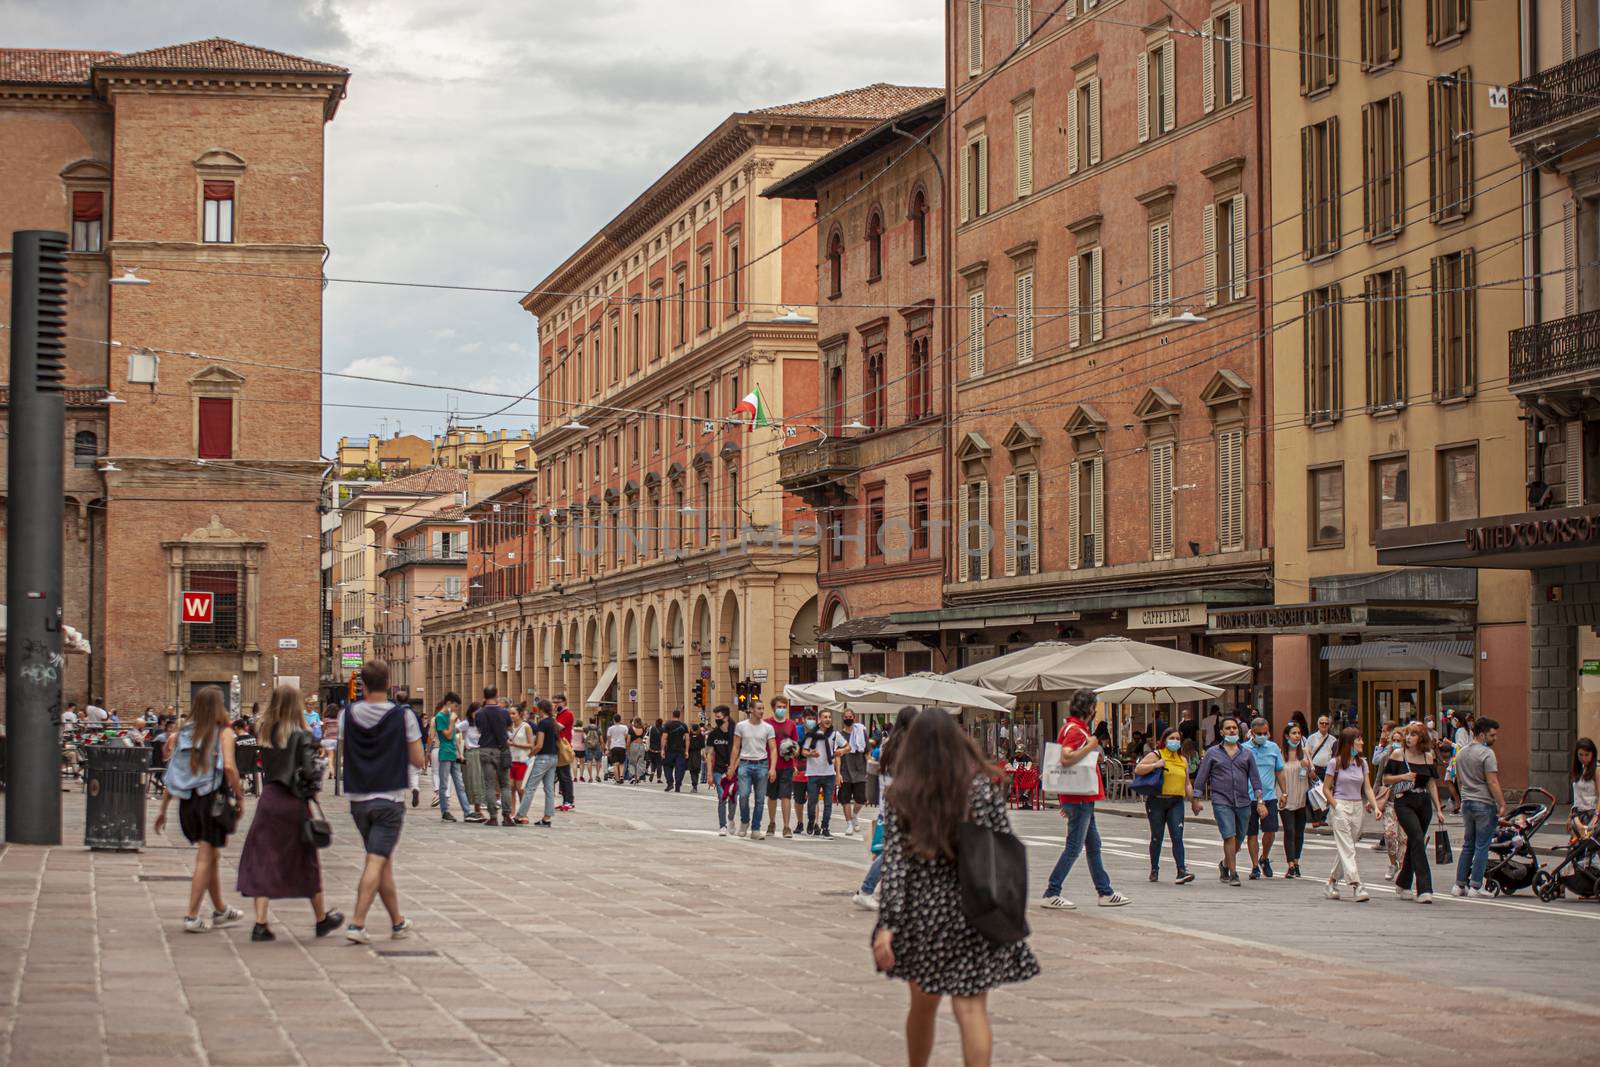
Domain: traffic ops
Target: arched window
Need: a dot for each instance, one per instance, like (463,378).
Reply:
(835,264)
(85,449)
(874,246)
(876,407)
(919,225)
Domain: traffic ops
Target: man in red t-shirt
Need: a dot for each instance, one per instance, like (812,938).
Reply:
(564,721)
(781,788)
(1077,744)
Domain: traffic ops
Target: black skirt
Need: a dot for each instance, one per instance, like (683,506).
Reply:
(194,819)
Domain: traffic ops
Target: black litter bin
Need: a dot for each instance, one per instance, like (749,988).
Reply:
(114,781)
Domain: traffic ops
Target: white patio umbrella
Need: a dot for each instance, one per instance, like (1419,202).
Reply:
(924,688)
(1010,661)
(1101,662)
(824,694)
(1156,687)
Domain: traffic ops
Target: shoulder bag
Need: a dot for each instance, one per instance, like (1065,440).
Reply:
(316,830)
(1080,779)
(1149,784)
(992,867)
(564,754)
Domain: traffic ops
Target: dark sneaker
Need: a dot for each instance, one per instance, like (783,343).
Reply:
(1222,869)
(1233,879)
(1184,877)
(416,797)
(1155,876)
(1266,868)
(1255,874)
(827,835)
(491,821)
(262,932)
(329,923)
(445,816)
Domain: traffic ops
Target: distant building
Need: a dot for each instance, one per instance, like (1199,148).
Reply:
(474,448)
(388,456)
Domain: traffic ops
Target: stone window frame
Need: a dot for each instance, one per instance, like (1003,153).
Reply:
(215,382)
(219,165)
(88,176)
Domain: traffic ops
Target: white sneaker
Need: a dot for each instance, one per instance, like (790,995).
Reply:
(1483,894)
(1361,895)
(865,901)
(1424,898)
(357,935)
(1458,890)
(401,932)
(1404,894)
(195,925)
(1058,904)
(1330,891)
(226,917)
(756,835)
(722,831)
(1392,873)
(744,831)
(850,828)
(1115,900)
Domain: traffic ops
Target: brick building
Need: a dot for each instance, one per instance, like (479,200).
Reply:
(873,470)
(200,167)
(656,553)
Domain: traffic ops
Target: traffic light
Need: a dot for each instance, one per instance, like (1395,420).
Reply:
(356,689)
(754,689)
(699,693)
(742,694)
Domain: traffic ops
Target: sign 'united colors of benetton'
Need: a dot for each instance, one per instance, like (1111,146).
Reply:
(197,608)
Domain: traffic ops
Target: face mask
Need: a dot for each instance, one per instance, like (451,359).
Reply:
(1260,739)
(1294,742)
(781,713)
(849,722)
(1232,739)
(811,724)
(1173,744)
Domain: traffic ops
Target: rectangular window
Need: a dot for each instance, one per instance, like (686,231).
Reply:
(1223,241)
(733,278)
(1391,493)
(972,534)
(1021,506)
(1161,500)
(1324,357)
(1448,19)
(1023,123)
(635,338)
(88,219)
(1458,483)
(1161,271)
(919,382)
(616,348)
(1024,317)
(1386,339)
(658,299)
(977,330)
(1319,45)
(1319,188)
(875,394)
(224,632)
(874,529)
(1380,33)
(836,537)
(1450,147)
(706,314)
(1327,507)
(682,419)
(218,212)
(975,177)
(974,36)
(919,518)
(1085,317)
(1455,332)
(1083,125)
(683,309)
(452,586)
(1383,168)
(1157,90)
(1086,513)
(1024,12)
(1222,67)
(1230,490)
(216,427)
(598,361)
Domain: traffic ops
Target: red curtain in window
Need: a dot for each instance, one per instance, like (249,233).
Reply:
(87,207)
(216,428)
(219,190)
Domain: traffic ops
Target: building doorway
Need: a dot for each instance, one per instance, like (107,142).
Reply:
(1393,697)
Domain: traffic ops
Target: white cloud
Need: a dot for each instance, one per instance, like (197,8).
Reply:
(388,368)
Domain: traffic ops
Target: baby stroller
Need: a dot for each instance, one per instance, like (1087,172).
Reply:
(1578,873)
(1513,865)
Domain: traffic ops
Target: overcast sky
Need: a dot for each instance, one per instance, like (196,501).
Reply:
(483,140)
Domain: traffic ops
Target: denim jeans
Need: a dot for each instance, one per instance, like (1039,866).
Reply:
(1166,817)
(819,787)
(450,771)
(676,765)
(752,779)
(564,780)
(875,872)
(1082,836)
(542,771)
(1478,821)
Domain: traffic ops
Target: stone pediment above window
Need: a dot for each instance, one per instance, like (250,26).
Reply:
(973,446)
(1022,437)
(1086,421)
(701,460)
(729,450)
(594,503)
(86,170)
(220,162)
(216,381)
(611,495)
(675,472)
(652,481)
(1227,396)
(630,488)
(1158,409)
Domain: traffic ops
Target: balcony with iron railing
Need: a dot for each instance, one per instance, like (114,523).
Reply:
(815,469)
(1554,104)
(1562,353)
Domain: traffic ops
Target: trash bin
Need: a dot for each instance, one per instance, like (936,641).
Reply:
(115,784)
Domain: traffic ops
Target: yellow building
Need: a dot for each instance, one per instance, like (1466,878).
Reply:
(389,456)
(1398,224)
(474,448)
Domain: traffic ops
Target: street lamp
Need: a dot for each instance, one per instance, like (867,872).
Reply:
(129,278)
(1187,318)
(791,317)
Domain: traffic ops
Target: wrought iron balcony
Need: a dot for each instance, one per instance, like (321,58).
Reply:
(817,469)
(1557,353)
(1556,101)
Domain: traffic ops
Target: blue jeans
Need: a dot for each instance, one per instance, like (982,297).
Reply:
(1082,836)
(1231,819)
(819,787)
(752,779)
(676,765)
(542,771)
(1478,822)
(1166,817)
(870,882)
(450,771)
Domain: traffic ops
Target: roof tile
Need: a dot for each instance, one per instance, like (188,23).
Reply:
(430,480)
(219,53)
(49,66)
(877,101)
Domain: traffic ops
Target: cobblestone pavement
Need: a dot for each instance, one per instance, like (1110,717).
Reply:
(631,934)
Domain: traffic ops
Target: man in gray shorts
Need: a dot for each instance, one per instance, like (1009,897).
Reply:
(382,744)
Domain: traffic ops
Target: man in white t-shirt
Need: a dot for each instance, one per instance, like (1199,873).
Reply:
(70,715)
(617,748)
(757,745)
(821,747)
(96,713)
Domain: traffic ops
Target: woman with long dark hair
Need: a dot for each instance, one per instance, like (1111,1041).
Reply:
(201,771)
(1164,809)
(1349,789)
(864,897)
(1298,775)
(277,862)
(1409,772)
(941,780)
(1585,820)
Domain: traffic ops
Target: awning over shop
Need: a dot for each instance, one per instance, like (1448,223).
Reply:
(1321,617)
(1523,541)
(608,678)
(1452,657)
(978,616)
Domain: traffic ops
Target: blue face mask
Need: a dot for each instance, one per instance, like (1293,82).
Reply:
(781,713)
(1294,742)
(811,724)
(1232,739)
(1173,744)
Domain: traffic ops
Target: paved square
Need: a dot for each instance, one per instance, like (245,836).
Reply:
(632,934)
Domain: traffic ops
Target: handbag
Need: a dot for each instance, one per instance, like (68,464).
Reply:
(222,811)
(1149,784)
(992,867)
(316,831)
(564,754)
(1317,797)
(1080,779)
(877,838)
(1441,847)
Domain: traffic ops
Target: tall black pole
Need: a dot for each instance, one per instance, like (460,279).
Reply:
(34,658)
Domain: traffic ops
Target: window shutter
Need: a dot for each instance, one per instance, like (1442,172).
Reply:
(1208,250)
(1370,210)
(983,175)
(1436,148)
(962,518)
(1441,323)
(1395,209)
(1574,462)
(1568,39)
(1074,525)
(1094,120)
(984,545)
(1142,79)
(1236,53)
(1097,314)
(1024,20)
(1308,189)
(1024,124)
(1169,85)
(1072,133)
(1237,251)
(974,36)
(1336,340)
(1097,503)
(1230,487)
(975,335)
(1025,318)
(1161,501)
(1305,46)
(1465,151)
(1569,256)
(1369,55)
(1010,532)
(1467,301)
(518,645)
(1033,522)
(1372,328)
(966,182)
(1073,308)
(1208,68)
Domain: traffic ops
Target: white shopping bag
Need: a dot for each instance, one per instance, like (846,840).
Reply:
(1080,779)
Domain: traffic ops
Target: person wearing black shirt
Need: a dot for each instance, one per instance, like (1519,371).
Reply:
(652,752)
(718,751)
(494,755)
(542,767)
(1412,777)
(697,745)
(675,751)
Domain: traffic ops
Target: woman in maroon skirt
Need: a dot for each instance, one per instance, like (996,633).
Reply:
(278,863)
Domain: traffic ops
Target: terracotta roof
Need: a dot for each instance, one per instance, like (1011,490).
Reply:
(877,101)
(49,66)
(218,53)
(430,481)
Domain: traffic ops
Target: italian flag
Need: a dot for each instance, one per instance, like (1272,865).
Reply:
(752,409)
